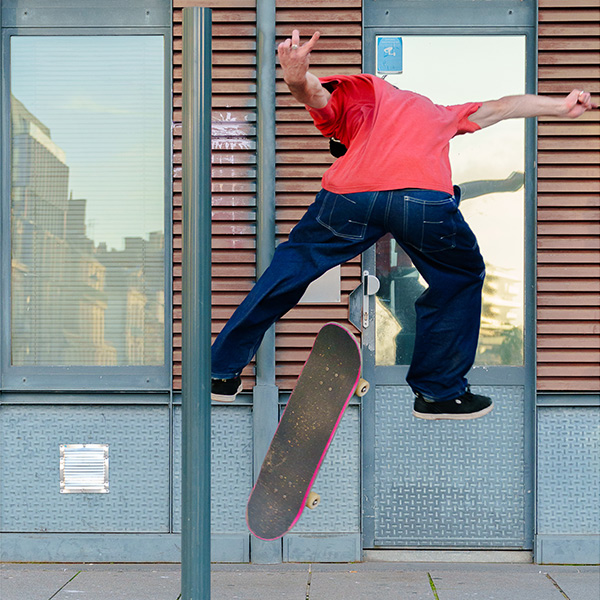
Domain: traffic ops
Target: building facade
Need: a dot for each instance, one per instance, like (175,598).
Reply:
(90,332)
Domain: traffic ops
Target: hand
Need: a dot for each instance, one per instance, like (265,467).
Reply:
(295,58)
(576,103)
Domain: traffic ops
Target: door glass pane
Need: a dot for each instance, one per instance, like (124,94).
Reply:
(489,167)
(87,200)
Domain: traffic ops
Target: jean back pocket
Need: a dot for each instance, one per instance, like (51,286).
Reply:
(346,215)
(430,225)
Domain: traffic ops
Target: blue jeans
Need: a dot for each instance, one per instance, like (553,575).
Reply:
(335,228)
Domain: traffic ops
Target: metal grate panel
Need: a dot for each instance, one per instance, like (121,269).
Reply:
(568,470)
(338,483)
(138,438)
(449,483)
(231,479)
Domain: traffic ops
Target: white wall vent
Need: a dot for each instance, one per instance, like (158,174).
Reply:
(84,469)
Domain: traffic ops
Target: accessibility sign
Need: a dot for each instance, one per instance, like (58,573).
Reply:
(389,54)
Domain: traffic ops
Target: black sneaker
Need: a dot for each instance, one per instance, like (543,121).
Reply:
(225,390)
(467,406)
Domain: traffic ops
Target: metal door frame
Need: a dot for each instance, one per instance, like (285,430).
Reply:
(480,375)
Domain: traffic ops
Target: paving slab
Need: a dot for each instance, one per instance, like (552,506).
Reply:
(361,581)
(36,582)
(580,584)
(494,584)
(122,584)
(369,585)
(264,585)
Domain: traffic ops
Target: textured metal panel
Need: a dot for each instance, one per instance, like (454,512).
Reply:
(231,463)
(568,470)
(338,483)
(457,13)
(96,13)
(302,547)
(449,484)
(30,498)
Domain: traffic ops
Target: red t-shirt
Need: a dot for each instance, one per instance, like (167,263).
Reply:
(395,139)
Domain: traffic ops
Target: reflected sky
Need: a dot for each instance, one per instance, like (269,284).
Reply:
(103,99)
(458,69)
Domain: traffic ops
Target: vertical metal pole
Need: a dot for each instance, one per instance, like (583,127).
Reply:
(196,430)
(266,395)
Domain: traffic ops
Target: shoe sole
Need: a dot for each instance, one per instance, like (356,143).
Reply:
(224,398)
(453,417)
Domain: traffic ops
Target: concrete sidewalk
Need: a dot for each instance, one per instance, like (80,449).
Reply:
(363,581)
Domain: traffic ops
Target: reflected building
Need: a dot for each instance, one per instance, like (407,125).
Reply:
(501,334)
(135,286)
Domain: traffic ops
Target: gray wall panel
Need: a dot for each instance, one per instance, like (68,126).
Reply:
(138,440)
(231,479)
(568,470)
(338,483)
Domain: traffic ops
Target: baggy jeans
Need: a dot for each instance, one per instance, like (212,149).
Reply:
(337,227)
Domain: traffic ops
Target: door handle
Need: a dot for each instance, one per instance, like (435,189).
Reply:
(370,286)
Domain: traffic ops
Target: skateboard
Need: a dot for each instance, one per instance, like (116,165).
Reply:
(331,375)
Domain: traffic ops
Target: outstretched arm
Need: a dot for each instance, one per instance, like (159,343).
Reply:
(515,107)
(295,60)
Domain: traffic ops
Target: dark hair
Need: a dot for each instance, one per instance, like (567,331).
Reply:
(336,148)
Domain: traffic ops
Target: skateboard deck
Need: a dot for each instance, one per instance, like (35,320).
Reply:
(328,380)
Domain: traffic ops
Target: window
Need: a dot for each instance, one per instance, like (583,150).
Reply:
(489,166)
(87,200)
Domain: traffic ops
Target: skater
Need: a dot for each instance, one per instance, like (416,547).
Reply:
(393,176)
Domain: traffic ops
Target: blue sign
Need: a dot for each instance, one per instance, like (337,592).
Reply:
(389,54)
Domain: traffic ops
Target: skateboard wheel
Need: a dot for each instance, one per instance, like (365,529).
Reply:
(313,500)
(362,388)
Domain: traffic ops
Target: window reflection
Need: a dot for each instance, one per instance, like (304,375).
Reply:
(489,167)
(87,200)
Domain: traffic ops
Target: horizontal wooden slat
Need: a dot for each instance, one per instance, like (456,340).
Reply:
(567,384)
(567,157)
(569,58)
(569,29)
(569,271)
(571,213)
(568,285)
(573,370)
(550,44)
(571,313)
(568,299)
(573,4)
(571,257)
(569,327)
(569,356)
(568,241)
(568,341)
(569,15)
(569,143)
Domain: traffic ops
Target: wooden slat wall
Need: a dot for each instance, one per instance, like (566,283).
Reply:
(233,160)
(569,202)
(303,156)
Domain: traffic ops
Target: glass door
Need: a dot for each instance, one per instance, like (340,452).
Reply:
(489,167)
(451,484)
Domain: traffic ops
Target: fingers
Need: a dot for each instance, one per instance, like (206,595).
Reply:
(585,99)
(313,40)
(293,43)
(295,38)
